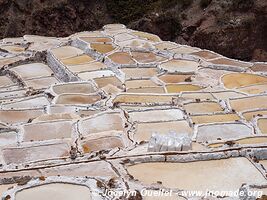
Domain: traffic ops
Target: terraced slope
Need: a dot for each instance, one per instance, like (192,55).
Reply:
(77,114)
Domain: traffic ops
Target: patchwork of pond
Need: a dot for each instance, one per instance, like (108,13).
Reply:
(5,81)
(264,164)
(236,80)
(259,67)
(3,125)
(121,58)
(243,141)
(166,45)
(9,60)
(113,32)
(87,113)
(123,37)
(143,98)
(41,83)
(197,95)
(96,74)
(62,109)
(139,83)
(73,88)
(9,95)
(92,66)
(7,138)
(135,44)
(180,66)
(138,73)
(156,115)
(145,130)
(56,116)
(66,52)
(90,169)
(224,95)
(13,48)
(114,27)
(226,61)
(262,124)
(73,99)
(206,54)
(96,39)
(47,131)
(254,89)
(27,103)
(108,95)
(147,90)
(174,78)
(222,131)
(251,114)
(101,123)
(10,88)
(205,119)
(200,175)
(33,70)
(149,36)
(77,60)
(249,103)
(111,89)
(112,80)
(177,88)
(13,116)
(147,57)
(5,187)
(102,48)
(184,50)
(103,143)
(202,107)
(22,155)
(55,191)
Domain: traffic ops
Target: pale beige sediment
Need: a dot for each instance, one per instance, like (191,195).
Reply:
(77,60)
(202,107)
(176,88)
(55,191)
(203,119)
(145,130)
(236,80)
(262,124)
(249,103)
(139,72)
(200,175)
(251,114)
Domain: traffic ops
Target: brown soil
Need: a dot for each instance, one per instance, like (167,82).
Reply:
(234,28)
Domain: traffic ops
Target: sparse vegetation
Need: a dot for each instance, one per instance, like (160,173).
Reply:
(186,21)
(124,11)
(205,3)
(242,5)
(170,24)
(183,16)
(223,19)
(172,3)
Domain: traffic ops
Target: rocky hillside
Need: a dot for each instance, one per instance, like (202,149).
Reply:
(234,28)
